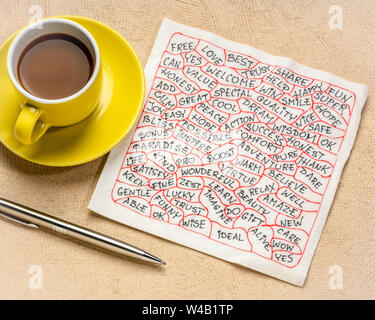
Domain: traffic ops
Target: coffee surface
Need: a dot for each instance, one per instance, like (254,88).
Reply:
(55,66)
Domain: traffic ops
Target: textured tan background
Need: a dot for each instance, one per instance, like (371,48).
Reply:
(297,29)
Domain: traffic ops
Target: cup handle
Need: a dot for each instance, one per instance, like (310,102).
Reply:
(29,128)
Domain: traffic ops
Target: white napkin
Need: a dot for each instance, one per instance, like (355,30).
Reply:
(237,153)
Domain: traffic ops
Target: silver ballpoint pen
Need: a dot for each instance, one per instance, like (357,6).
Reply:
(36,219)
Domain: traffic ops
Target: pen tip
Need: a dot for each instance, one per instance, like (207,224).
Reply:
(151,258)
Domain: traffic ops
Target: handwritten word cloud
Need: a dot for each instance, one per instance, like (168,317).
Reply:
(236,153)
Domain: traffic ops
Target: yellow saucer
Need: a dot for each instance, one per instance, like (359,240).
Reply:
(122,101)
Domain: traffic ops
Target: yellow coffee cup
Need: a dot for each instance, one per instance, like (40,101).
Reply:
(38,114)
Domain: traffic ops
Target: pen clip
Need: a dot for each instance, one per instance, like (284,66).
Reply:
(18,220)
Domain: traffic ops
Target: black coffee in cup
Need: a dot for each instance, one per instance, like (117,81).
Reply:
(55,66)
